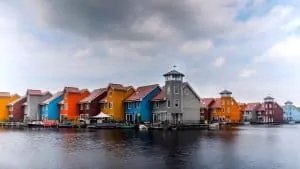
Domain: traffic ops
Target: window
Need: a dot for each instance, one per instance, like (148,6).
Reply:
(228,109)
(110,105)
(169,103)
(223,102)
(81,106)
(168,90)
(129,105)
(176,89)
(87,106)
(10,108)
(137,104)
(156,104)
(270,105)
(66,106)
(176,103)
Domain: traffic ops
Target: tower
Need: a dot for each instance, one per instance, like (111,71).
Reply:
(173,86)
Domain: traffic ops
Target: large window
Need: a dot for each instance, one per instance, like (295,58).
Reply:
(168,90)
(156,105)
(176,89)
(129,105)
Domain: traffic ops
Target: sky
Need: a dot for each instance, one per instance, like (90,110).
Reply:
(250,47)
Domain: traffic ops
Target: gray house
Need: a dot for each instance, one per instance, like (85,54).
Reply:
(177,102)
(32,105)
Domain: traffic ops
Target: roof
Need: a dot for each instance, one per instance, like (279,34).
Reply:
(173,72)
(261,107)
(206,102)
(141,92)
(119,86)
(16,101)
(71,90)
(268,98)
(160,95)
(217,103)
(56,95)
(252,106)
(226,92)
(4,94)
(288,102)
(93,95)
(34,92)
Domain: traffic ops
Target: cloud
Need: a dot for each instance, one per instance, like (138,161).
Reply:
(194,47)
(219,62)
(292,26)
(246,73)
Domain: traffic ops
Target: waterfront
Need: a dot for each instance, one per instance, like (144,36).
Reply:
(242,148)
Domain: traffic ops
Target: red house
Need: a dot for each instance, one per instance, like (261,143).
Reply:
(270,111)
(90,105)
(16,109)
(206,109)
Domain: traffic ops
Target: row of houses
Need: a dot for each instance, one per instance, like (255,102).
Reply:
(174,102)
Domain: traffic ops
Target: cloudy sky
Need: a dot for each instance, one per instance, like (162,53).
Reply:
(251,47)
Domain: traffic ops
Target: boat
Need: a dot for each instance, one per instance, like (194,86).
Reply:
(35,124)
(126,126)
(292,122)
(246,123)
(66,125)
(142,127)
(214,126)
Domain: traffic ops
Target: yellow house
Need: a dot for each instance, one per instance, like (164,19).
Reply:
(5,99)
(112,104)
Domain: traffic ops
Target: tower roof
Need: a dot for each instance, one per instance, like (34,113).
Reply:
(226,92)
(173,72)
(288,102)
(268,98)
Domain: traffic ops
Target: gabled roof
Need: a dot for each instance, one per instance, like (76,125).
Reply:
(119,86)
(56,95)
(217,103)
(288,102)
(252,106)
(161,95)
(173,72)
(141,92)
(226,92)
(5,94)
(186,84)
(16,101)
(261,107)
(71,90)
(93,95)
(34,92)
(206,102)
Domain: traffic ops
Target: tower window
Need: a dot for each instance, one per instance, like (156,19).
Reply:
(176,89)
(168,90)
(176,103)
(169,103)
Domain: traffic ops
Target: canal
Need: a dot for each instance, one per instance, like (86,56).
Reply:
(241,148)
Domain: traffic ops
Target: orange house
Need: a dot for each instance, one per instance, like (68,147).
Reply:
(5,99)
(69,105)
(112,104)
(226,108)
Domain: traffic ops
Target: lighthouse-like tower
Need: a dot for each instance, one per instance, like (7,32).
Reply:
(174,94)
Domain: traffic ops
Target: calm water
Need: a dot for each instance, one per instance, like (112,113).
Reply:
(243,148)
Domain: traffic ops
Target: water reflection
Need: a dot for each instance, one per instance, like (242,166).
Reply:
(245,147)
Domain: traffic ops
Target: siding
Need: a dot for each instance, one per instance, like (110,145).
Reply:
(33,106)
(291,113)
(18,110)
(4,101)
(191,106)
(52,110)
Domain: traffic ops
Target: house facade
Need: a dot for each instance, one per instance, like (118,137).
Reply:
(5,99)
(50,108)
(250,112)
(32,107)
(90,105)
(206,109)
(138,106)
(291,112)
(177,102)
(226,108)
(270,111)
(16,109)
(112,104)
(69,106)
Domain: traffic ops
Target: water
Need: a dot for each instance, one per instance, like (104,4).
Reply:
(243,148)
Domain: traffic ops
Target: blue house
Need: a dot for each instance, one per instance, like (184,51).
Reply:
(138,106)
(291,113)
(50,108)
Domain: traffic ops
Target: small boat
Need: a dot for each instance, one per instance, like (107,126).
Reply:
(142,127)
(35,124)
(292,122)
(246,123)
(66,125)
(214,126)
